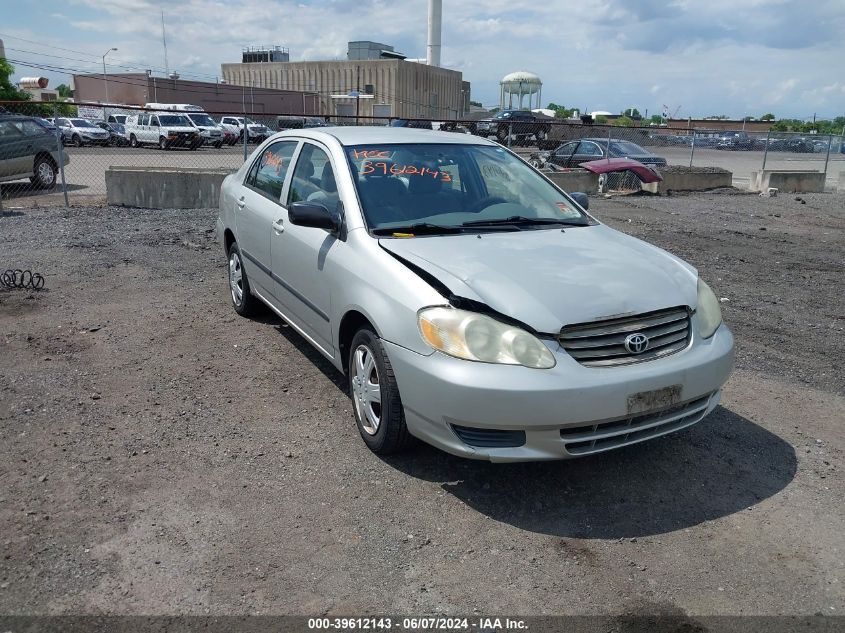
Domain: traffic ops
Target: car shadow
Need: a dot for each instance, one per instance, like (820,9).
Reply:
(11,190)
(723,465)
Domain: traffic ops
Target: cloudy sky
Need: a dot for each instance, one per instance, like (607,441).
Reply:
(733,57)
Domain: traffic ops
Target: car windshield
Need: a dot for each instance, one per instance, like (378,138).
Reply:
(173,119)
(202,119)
(627,148)
(82,123)
(448,186)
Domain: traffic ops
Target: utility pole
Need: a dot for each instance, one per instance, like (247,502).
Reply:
(358,96)
(105,81)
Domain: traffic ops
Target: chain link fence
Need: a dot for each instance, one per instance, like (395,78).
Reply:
(58,153)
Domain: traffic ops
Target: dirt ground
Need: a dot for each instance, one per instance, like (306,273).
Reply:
(160,455)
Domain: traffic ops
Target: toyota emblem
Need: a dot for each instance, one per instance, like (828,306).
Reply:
(636,343)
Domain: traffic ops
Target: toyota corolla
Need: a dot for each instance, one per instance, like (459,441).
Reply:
(469,301)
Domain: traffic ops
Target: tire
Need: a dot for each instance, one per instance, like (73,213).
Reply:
(383,427)
(501,134)
(45,173)
(162,143)
(133,141)
(76,140)
(243,301)
(218,145)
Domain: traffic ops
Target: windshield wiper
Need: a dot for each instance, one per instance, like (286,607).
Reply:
(521,220)
(420,228)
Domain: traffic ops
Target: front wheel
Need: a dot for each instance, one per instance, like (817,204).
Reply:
(76,140)
(162,143)
(375,395)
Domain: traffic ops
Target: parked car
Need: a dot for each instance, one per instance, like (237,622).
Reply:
(583,150)
(29,150)
(209,130)
(470,302)
(165,130)
(256,132)
(419,124)
(734,141)
(117,133)
(47,124)
(117,118)
(299,122)
(229,137)
(81,132)
(520,124)
(797,145)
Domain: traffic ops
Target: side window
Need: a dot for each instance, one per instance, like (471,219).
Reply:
(565,150)
(591,149)
(63,123)
(30,128)
(267,174)
(313,178)
(9,132)
(153,120)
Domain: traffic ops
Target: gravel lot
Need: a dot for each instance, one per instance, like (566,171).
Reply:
(161,455)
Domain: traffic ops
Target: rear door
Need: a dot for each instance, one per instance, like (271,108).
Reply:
(257,207)
(14,155)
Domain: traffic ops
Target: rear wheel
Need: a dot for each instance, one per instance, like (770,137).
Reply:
(242,300)
(45,173)
(133,140)
(375,395)
(502,134)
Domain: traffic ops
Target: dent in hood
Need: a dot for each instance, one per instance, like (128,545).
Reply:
(550,278)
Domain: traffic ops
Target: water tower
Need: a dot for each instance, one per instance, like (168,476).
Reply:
(520,85)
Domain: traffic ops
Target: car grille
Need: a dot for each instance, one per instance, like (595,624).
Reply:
(602,343)
(581,440)
(489,438)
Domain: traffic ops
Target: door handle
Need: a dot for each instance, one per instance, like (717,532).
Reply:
(279,226)
(241,202)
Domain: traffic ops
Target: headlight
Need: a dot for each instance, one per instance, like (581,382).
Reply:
(709,312)
(474,336)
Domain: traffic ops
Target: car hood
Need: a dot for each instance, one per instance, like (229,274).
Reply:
(551,278)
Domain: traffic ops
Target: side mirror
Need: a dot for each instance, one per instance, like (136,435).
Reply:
(314,215)
(581,198)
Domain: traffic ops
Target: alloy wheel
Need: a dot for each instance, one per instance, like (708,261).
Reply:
(366,389)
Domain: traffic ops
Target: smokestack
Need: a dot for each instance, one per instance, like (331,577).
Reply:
(435,21)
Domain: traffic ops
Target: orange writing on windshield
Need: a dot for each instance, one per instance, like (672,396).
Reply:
(369,167)
(371,153)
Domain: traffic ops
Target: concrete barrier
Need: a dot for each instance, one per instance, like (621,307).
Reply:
(575,180)
(164,188)
(694,180)
(788,180)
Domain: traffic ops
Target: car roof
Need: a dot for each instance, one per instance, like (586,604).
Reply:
(371,134)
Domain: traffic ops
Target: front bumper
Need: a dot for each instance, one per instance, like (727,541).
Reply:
(440,392)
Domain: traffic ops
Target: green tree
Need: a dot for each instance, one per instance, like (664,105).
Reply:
(624,121)
(768,117)
(601,120)
(632,113)
(561,112)
(8,92)
(65,92)
(656,118)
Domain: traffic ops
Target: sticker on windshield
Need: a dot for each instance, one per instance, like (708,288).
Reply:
(369,167)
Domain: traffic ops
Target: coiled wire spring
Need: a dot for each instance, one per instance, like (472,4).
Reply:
(23,279)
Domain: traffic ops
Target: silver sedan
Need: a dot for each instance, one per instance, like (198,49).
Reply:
(469,301)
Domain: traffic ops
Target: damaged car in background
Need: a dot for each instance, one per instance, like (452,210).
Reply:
(575,153)
(469,301)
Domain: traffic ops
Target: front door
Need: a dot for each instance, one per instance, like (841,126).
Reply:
(258,207)
(14,159)
(302,255)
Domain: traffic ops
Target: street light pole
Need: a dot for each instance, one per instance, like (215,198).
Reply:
(105,82)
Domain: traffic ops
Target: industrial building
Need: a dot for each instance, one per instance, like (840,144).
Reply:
(139,88)
(374,80)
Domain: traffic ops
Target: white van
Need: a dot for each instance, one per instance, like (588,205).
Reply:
(164,130)
(212,134)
